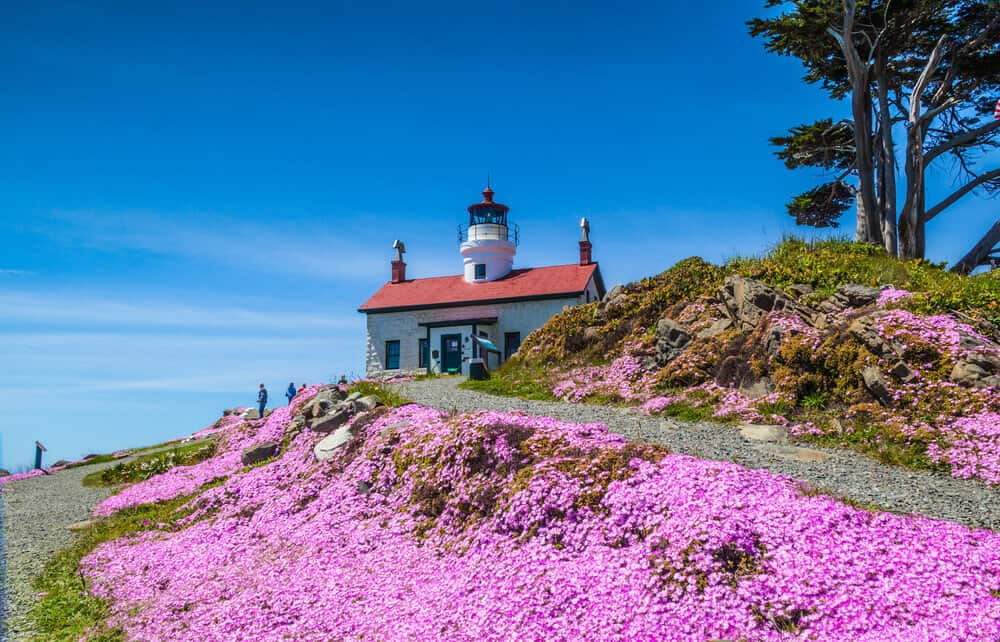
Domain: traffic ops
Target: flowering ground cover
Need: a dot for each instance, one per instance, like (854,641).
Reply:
(500,526)
(908,373)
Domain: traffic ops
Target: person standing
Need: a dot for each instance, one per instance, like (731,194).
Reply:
(262,399)
(290,393)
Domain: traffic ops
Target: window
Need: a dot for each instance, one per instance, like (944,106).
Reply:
(392,355)
(480,270)
(511,342)
(423,353)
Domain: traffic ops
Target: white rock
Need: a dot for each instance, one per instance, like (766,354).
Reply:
(764,433)
(327,445)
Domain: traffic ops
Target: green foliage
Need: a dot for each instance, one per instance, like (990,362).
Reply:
(816,400)
(382,392)
(515,380)
(152,464)
(688,412)
(822,205)
(826,264)
(67,612)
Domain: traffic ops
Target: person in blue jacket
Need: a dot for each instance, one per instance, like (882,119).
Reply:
(290,393)
(262,399)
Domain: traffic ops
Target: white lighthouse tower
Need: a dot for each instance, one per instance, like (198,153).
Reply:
(486,247)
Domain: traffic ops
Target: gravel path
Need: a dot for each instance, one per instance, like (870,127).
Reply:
(841,472)
(37,513)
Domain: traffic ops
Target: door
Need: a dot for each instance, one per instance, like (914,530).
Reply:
(451,353)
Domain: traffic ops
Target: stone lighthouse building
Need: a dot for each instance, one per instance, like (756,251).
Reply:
(429,325)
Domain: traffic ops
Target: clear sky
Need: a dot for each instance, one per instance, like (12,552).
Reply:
(195,198)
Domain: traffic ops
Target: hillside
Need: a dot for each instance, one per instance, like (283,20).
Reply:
(342,518)
(836,341)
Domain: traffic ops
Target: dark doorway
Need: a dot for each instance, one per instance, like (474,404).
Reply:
(451,353)
(511,342)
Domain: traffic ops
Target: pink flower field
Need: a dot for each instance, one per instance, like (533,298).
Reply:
(502,526)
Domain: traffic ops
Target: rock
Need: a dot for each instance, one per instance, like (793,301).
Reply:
(799,290)
(61,462)
(853,295)
(353,396)
(331,422)
(591,334)
(717,328)
(614,292)
(364,488)
(865,330)
(317,408)
(876,384)
(365,404)
(251,413)
(902,372)
(82,525)
(260,452)
(4,472)
(326,446)
(362,421)
(747,301)
(759,388)
(972,375)
(396,426)
(764,433)
(671,339)
(795,453)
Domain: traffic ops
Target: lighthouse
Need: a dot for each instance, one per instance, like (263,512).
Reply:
(486,245)
(472,322)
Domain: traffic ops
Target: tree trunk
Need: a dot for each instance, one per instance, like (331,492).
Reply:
(977,255)
(911,218)
(868,230)
(887,175)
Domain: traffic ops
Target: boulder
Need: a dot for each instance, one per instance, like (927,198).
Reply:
(364,488)
(718,327)
(799,290)
(614,292)
(747,301)
(326,446)
(317,408)
(671,339)
(331,422)
(591,334)
(763,433)
(865,330)
(4,472)
(876,384)
(902,372)
(251,413)
(364,404)
(853,295)
(61,462)
(353,396)
(260,452)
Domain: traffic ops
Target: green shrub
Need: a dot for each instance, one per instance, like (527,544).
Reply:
(147,466)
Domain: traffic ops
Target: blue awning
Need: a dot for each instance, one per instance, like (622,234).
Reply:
(486,344)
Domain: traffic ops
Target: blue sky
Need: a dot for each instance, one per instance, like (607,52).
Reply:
(196,197)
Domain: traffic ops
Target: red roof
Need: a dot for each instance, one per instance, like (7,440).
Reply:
(445,291)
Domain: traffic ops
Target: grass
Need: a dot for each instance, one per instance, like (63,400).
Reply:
(525,389)
(151,464)
(67,611)
(687,412)
(881,446)
(385,394)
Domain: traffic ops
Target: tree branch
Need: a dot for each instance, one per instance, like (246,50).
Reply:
(959,193)
(962,140)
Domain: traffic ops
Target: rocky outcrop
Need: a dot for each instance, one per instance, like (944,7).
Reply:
(876,384)
(260,452)
(978,368)
(332,421)
(865,330)
(747,301)
(671,339)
